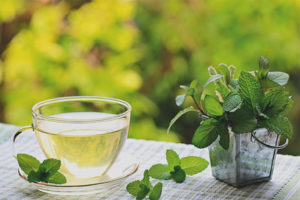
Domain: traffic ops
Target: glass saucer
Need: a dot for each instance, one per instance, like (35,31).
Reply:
(125,166)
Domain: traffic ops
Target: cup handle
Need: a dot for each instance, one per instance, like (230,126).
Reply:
(21,130)
(267,145)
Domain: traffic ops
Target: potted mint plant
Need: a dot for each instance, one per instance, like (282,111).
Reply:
(242,120)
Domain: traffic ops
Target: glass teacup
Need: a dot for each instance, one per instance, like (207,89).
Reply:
(85,133)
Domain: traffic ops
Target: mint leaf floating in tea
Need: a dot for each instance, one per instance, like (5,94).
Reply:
(47,171)
(140,189)
(177,168)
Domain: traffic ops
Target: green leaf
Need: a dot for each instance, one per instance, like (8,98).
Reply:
(180,99)
(156,191)
(232,102)
(242,120)
(143,191)
(275,102)
(28,163)
(50,166)
(223,70)
(186,88)
(250,90)
(288,107)
(231,69)
(224,136)
(193,165)
(33,176)
(235,84)
(205,134)
(279,77)
(212,107)
(57,178)
(172,158)
(178,175)
(182,112)
(133,187)
(146,179)
(279,125)
(212,79)
(264,67)
(160,171)
(260,113)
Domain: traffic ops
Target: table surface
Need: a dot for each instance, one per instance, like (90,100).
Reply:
(285,183)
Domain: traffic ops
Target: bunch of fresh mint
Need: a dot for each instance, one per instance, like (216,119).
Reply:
(254,100)
(176,169)
(47,171)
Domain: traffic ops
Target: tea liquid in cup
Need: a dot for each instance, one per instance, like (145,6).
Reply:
(85,133)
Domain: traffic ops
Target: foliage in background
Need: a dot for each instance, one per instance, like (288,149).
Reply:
(138,51)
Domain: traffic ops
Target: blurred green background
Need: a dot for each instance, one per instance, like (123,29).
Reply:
(140,51)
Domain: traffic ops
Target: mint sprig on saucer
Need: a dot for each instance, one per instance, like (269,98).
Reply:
(47,171)
(140,189)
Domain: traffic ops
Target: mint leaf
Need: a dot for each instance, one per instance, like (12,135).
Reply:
(27,162)
(232,102)
(50,166)
(212,107)
(178,175)
(234,84)
(205,134)
(156,192)
(223,69)
(242,120)
(212,79)
(34,176)
(182,112)
(146,179)
(172,158)
(250,90)
(275,102)
(133,187)
(143,191)
(264,67)
(288,107)
(160,171)
(280,78)
(224,136)
(193,165)
(180,99)
(57,178)
(279,125)
(231,69)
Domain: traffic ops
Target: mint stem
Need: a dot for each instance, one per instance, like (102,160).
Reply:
(197,105)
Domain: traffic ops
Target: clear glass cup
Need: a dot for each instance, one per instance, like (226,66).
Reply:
(85,133)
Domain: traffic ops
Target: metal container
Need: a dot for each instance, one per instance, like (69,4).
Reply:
(249,159)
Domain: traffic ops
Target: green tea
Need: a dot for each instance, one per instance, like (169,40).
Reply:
(85,150)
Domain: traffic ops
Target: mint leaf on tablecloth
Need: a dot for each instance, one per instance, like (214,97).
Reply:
(193,165)
(160,171)
(143,191)
(178,174)
(27,162)
(146,179)
(133,187)
(156,192)
(172,159)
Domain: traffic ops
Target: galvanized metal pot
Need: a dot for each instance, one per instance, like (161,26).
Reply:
(249,159)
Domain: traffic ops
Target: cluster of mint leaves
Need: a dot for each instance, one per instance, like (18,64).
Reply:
(47,171)
(254,100)
(175,169)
